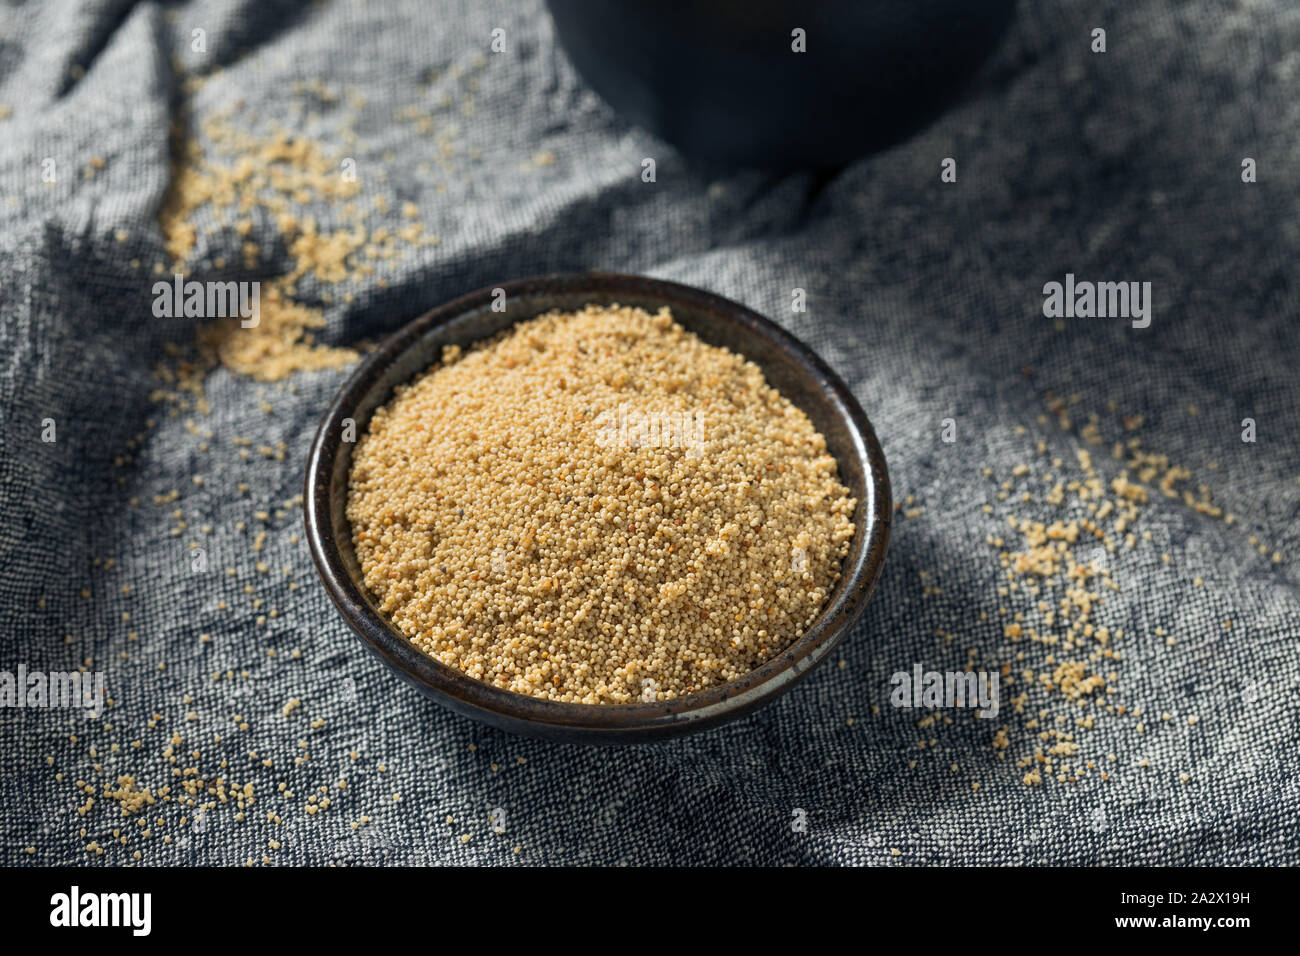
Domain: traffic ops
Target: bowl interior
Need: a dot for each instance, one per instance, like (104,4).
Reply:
(787,365)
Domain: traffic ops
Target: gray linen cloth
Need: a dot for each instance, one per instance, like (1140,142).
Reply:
(925,296)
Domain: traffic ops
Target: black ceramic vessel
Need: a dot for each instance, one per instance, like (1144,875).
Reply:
(720,80)
(788,366)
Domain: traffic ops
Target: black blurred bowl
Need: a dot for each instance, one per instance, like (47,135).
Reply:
(718,78)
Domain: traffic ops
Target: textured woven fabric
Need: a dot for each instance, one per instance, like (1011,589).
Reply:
(926,296)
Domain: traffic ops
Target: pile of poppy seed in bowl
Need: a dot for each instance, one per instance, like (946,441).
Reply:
(597,507)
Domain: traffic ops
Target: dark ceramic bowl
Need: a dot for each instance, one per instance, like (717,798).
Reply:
(720,81)
(788,365)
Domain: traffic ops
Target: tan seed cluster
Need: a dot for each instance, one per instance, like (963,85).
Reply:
(226,184)
(1056,574)
(512,529)
(267,189)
